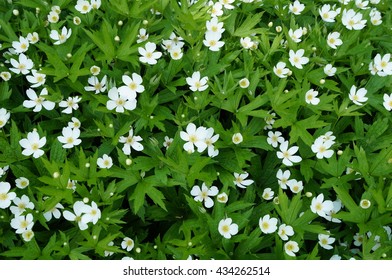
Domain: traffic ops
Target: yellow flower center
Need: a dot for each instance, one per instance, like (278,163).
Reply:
(133,86)
(23,224)
(35,146)
(265,225)
(225,228)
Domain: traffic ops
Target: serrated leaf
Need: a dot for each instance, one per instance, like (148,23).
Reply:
(247,27)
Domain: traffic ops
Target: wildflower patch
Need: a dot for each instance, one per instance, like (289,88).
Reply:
(195,129)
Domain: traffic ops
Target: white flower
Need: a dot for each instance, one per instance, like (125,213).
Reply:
(375,17)
(335,258)
(38,102)
(247,43)
(27,235)
(196,83)
(328,136)
(295,186)
(214,25)
(387,102)
(22,223)
(288,155)
(23,65)
(283,178)
(149,54)
(142,36)
(120,100)
(211,40)
(297,59)
(131,141)
(237,138)
(310,97)
(21,46)
(280,70)
(365,203)
(60,38)
(358,239)
(33,37)
(36,79)
(71,184)
(240,180)
(210,139)
(96,85)
(127,258)
(337,205)
(320,147)
(4,117)
(321,207)
(352,20)
(267,224)
(5,195)
(91,213)
(74,123)
(291,247)
(5,75)
(53,17)
(83,6)
(329,70)
(78,208)
(269,120)
(127,244)
(227,4)
(3,170)
(109,253)
(168,141)
(70,104)
(22,182)
(362,4)
(325,241)
(244,83)
(274,138)
(176,53)
(95,70)
(296,8)
(96,4)
(194,137)
(383,65)
(134,83)
(105,161)
(333,40)
(204,194)
(32,144)
(285,231)
(268,194)
(222,197)
(227,228)
(358,96)
(216,9)
(70,137)
(54,212)
(327,14)
(21,205)
(296,35)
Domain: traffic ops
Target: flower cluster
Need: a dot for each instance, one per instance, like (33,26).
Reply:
(254,125)
(201,138)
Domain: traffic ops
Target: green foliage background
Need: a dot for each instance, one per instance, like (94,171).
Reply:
(150,199)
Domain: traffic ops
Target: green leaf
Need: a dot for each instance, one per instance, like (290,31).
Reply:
(60,69)
(247,27)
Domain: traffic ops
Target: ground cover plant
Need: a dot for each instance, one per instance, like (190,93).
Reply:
(195,129)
